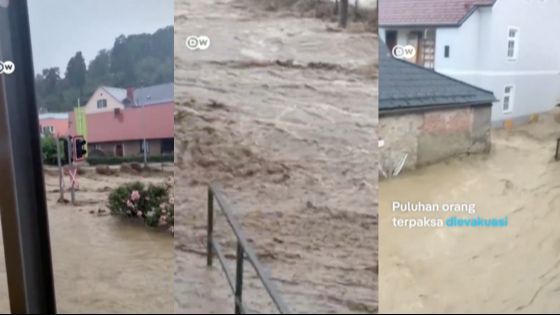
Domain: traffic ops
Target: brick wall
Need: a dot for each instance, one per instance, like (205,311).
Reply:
(431,136)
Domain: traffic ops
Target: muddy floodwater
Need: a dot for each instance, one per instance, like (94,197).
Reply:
(103,264)
(504,269)
(281,110)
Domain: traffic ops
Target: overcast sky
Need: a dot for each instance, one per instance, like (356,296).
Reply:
(60,28)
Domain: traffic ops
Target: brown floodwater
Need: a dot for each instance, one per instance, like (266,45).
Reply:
(510,269)
(281,110)
(103,264)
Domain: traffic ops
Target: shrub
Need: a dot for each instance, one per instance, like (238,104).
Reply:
(153,203)
(48,149)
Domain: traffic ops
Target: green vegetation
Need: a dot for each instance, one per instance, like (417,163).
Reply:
(48,148)
(133,61)
(153,203)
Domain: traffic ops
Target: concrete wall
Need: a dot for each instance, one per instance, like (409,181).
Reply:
(432,136)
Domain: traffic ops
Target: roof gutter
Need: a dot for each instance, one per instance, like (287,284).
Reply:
(416,109)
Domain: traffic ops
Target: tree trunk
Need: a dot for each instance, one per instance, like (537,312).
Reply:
(343,17)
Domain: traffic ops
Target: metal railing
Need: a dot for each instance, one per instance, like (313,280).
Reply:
(556,157)
(244,251)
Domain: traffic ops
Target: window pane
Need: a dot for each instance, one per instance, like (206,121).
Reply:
(506,103)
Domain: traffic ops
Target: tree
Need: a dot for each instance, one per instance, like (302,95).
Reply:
(131,60)
(100,66)
(51,77)
(76,72)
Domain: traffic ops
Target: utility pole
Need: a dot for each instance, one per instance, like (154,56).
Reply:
(60,171)
(144,144)
(343,17)
(71,169)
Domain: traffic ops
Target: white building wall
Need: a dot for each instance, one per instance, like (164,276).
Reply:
(479,54)
(101,93)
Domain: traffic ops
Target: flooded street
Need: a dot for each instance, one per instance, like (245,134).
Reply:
(104,264)
(281,110)
(511,269)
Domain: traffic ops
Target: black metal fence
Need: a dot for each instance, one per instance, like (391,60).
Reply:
(244,252)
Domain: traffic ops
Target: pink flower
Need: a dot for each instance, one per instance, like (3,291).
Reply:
(139,213)
(135,195)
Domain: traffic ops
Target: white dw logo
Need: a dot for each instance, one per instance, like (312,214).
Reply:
(7,67)
(404,52)
(198,42)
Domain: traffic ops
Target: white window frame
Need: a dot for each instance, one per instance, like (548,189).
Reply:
(102,101)
(515,43)
(48,129)
(511,96)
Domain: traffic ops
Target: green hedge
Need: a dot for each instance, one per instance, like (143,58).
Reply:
(112,160)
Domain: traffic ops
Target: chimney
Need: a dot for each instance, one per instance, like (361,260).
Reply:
(130,94)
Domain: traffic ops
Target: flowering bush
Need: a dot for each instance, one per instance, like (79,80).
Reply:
(154,203)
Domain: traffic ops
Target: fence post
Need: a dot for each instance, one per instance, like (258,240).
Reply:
(239,279)
(210,227)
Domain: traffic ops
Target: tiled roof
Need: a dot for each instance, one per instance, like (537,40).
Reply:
(407,86)
(118,93)
(427,12)
(150,95)
(156,94)
(151,122)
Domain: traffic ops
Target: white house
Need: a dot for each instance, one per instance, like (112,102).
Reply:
(506,46)
(107,99)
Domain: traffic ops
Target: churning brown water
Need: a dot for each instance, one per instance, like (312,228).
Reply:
(103,264)
(511,269)
(281,110)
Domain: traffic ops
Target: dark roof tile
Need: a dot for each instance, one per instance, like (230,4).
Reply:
(403,85)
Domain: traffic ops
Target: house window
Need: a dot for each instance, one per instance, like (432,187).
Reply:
(48,130)
(512,43)
(507,104)
(167,146)
(101,103)
(119,149)
(391,39)
(446,52)
(142,146)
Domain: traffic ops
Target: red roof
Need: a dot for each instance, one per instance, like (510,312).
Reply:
(151,122)
(427,12)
